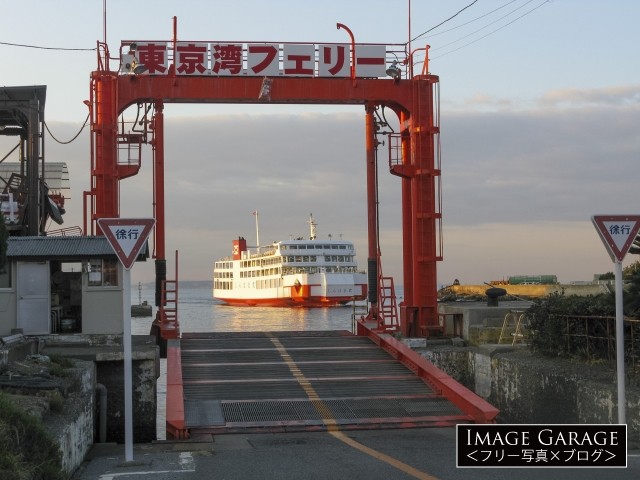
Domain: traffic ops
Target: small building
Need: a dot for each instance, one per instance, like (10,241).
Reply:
(62,284)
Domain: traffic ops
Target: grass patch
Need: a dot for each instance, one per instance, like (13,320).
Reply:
(27,451)
(59,366)
(64,362)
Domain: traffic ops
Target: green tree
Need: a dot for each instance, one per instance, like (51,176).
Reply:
(635,247)
(631,275)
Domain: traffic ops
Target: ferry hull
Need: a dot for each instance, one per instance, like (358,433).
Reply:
(314,302)
(317,290)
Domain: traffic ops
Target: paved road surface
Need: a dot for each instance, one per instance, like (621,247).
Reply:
(427,454)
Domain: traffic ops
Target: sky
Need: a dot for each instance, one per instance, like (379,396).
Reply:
(539,100)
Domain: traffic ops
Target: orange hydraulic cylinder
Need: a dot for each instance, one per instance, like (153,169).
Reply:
(158,181)
(104,128)
(423,225)
(372,210)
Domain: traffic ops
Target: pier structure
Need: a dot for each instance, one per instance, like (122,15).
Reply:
(305,380)
(249,382)
(152,74)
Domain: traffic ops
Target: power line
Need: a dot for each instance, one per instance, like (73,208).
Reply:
(486,26)
(493,31)
(48,48)
(86,121)
(444,21)
(473,20)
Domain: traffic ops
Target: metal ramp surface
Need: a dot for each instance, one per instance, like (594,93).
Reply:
(289,381)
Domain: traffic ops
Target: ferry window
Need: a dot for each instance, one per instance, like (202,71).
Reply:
(103,272)
(298,259)
(343,247)
(305,258)
(335,247)
(312,258)
(293,247)
(5,276)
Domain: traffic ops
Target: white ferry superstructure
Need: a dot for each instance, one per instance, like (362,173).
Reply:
(305,273)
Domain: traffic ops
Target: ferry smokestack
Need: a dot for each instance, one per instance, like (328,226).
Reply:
(239,246)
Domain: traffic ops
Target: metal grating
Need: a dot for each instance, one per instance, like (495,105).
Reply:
(203,413)
(319,377)
(342,411)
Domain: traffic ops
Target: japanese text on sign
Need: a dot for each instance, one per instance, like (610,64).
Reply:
(264,59)
(554,446)
(127,233)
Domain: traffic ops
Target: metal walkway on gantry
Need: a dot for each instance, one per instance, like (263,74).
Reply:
(291,381)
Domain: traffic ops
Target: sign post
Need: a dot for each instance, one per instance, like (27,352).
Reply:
(617,232)
(126,237)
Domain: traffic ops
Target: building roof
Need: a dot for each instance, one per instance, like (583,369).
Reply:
(63,248)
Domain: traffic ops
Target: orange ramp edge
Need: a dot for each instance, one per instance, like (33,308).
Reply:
(477,408)
(175,396)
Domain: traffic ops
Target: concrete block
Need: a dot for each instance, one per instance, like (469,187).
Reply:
(415,342)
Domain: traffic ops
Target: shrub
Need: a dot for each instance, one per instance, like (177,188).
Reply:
(27,451)
(549,327)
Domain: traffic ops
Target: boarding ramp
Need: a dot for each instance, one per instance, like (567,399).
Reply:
(304,381)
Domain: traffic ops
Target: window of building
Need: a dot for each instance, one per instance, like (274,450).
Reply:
(103,272)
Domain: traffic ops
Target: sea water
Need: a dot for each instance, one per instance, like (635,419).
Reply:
(198,311)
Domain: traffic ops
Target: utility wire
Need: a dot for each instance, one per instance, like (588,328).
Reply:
(493,31)
(48,48)
(76,135)
(444,21)
(473,20)
(486,26)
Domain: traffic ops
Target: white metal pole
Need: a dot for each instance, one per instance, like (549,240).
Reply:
(620,344)
(257,232)
(128,388)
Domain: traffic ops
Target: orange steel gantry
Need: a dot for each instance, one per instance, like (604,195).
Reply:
(414,99)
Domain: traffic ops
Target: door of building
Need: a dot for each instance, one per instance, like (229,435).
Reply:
(34,303)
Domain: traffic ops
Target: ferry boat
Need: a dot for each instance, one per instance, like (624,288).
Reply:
(298,272)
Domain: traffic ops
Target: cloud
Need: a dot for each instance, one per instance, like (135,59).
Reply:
(542,165)
(519,187)
(614,95)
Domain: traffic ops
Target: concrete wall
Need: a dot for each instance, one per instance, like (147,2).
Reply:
(478,319)
(106,352)
(73,428)
(534,291)
(111,374)
(527,388)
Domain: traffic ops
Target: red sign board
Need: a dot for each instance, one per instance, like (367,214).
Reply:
(126,236)
(617,232)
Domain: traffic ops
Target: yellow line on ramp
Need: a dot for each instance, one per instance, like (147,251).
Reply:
(330,422)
